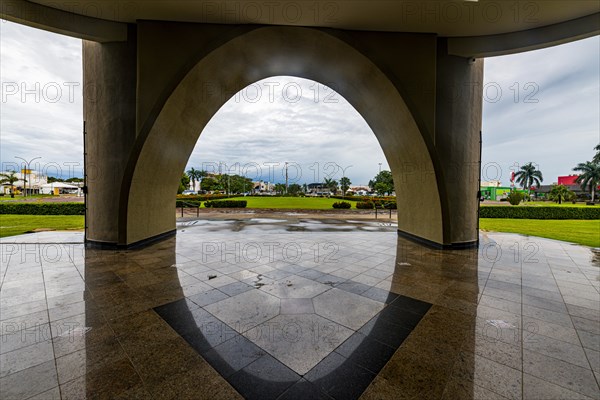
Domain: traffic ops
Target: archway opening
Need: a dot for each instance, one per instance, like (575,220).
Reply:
(291,136)
(166,144)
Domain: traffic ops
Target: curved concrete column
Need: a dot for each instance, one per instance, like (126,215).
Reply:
(109,111)
(162,152)
(459,91)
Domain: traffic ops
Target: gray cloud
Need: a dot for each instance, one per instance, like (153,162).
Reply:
(557,131)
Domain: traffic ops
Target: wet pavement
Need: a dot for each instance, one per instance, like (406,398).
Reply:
(298,309)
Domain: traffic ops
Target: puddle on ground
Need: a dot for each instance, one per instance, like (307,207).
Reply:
(286,225)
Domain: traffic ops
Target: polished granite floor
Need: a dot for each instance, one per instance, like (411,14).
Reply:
(298,309)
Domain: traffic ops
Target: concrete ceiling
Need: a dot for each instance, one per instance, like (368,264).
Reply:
(443,17)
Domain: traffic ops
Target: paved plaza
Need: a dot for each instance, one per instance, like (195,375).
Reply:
(298,309)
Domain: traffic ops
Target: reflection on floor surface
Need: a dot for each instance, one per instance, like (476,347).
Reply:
(298,310)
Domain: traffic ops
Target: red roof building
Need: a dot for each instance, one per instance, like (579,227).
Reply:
(567,180)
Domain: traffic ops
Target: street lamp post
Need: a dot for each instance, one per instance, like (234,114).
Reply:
(380,167)
(27,172)
(286,178)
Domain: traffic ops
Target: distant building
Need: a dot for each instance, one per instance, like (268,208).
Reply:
(492,183)
(497,193)
(566,180)
(360,190)
(317,189)
(263,187)
(58,188)
(29,181)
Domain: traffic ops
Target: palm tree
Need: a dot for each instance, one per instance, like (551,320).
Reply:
(10,178)
(559,193)
(590,176)
(330,184)
(193,174)
(345,184)
(596,158)
(528,176)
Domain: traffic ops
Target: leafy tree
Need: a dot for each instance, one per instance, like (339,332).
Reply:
(528,176)
(294,189)
(52,179)
(345,184)
(223,180)
(331,184)
(558,193)
(211,184)
(590,176)
(279,188)
(200,176)
(10,178)
(305,188)
(184,183)
(382,183)
(74,180)
(596,158)
(239,184)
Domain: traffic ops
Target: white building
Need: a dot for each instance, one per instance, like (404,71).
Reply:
(29,181)
(58,188)
(263,187)
(492,183)
(360,190)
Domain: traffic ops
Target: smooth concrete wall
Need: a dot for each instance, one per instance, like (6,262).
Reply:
(304,52)
(109,111)
(459,92)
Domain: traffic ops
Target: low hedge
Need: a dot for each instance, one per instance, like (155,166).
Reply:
(390,205)
(365,205)
(226,204)
(204,197)
(524,212)
(43,208)
(187,204)
(342,205)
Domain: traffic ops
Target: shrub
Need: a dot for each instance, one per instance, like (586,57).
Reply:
(365,205)
(203,197)
(515,197)
(43,208)
(226,204)
(391,205)
(342,204)
(539,212)
(187,204)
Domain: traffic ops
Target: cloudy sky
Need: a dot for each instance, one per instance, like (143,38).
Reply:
(540,106)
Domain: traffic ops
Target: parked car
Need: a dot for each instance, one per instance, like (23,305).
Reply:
(188,192)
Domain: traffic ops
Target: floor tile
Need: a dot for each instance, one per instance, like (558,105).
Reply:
(339,377)
(299,341)
(29,382)
(561,373)
(348,309)
(233,355)
(264,379)
(208,297)
(295,287)
(297,306)
(246,310)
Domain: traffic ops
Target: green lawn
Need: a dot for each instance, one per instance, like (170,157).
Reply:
(307,203)
(538,204)
(18,197)
(586,232)
(11,225)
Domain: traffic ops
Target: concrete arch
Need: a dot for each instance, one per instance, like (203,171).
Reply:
(264,52)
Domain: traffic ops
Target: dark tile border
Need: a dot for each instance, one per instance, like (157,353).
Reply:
(343,374)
